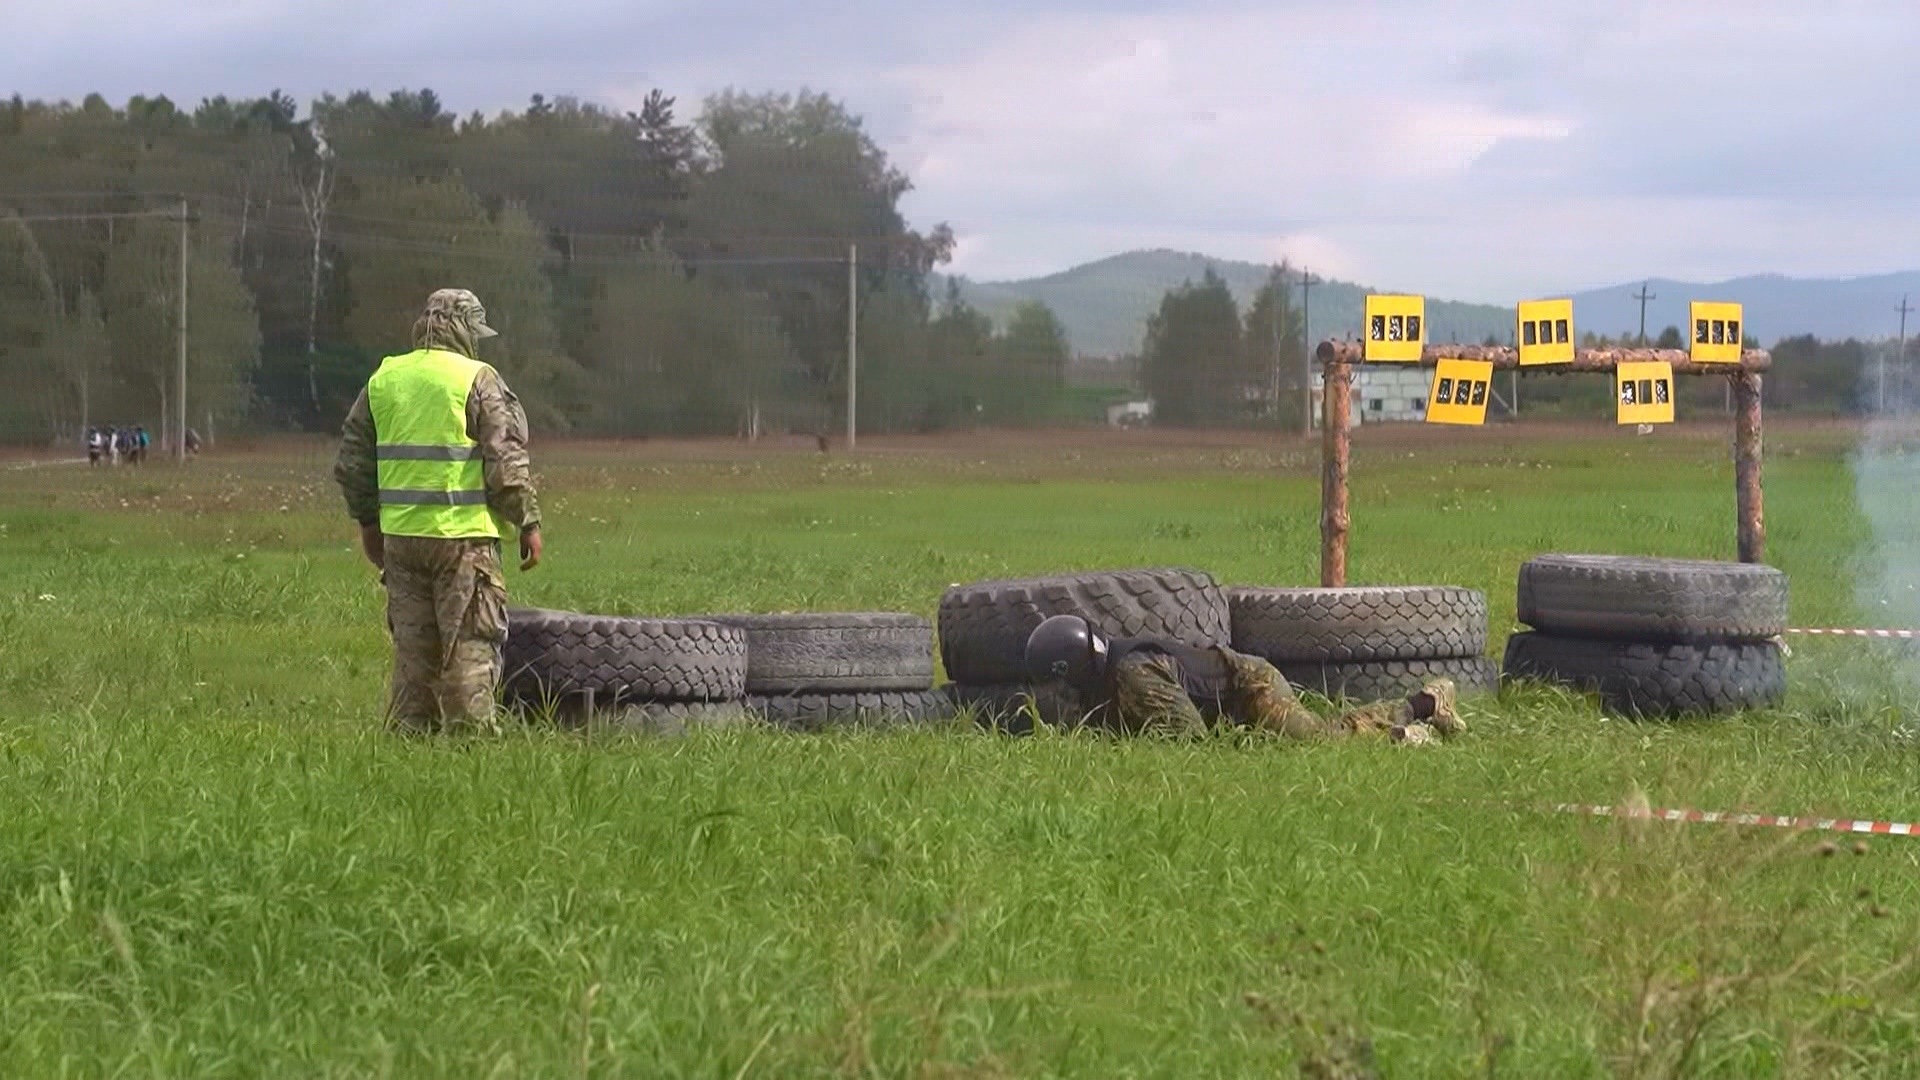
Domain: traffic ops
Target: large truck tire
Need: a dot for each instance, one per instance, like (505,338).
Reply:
(1632,598)
(835,652)
(984,626)
(552,654)
(1654,679)
(1342,625)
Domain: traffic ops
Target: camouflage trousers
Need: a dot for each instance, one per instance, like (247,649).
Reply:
(447,613)
(1148,696)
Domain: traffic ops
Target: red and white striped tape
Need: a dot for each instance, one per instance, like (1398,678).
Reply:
(1884,828)
(1845,632)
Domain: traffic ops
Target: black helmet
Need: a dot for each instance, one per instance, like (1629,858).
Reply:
(1065,647)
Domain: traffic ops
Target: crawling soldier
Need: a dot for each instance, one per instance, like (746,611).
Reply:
(1133,685)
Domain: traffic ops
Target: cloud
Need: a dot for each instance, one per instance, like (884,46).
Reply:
(1485,149)
(1492,150)
(1194,122)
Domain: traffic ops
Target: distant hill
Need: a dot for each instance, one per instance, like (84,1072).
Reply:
(1105,304)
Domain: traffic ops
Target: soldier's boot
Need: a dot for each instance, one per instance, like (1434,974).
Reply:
(1414,734)
(1434,705)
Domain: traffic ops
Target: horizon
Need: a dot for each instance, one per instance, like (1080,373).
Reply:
(1628,283)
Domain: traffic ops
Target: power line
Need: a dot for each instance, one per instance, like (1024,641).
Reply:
(367,241)
(834,242)
(335,215)
(98,216)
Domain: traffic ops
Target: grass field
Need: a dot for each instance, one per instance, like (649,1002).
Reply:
(213,864)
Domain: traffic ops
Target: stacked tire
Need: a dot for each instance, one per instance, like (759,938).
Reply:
(984,628)
(1367,643)
(1653,637)
(656,674)
(811,671)
(803,671)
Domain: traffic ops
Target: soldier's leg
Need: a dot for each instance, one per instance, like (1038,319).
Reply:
(477,630)
(1420,717)
(1147,696)
(1265,701)
(413,696)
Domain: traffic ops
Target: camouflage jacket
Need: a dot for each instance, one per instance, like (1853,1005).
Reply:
(495,420)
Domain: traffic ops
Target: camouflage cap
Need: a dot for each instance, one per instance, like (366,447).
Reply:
(463,307)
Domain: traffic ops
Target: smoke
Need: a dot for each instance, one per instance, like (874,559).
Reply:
(1886,480)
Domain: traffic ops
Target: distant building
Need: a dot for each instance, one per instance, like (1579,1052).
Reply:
(1130,414)
(1384,393)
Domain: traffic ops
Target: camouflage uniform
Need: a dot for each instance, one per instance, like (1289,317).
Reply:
(1176,689)
(446,598)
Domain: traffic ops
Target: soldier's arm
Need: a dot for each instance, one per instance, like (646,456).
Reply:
(357,469)
(496,421)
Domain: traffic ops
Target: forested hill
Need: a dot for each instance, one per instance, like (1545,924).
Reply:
(1104,304)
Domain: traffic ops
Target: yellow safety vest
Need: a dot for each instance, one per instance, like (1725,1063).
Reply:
(432,479)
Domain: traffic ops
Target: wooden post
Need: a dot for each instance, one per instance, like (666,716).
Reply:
(1335,413)
(1746,466)
(1337,357)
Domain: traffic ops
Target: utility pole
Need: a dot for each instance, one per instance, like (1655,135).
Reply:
(1275,283)
(853,301)
(180,396)
(1643,296)
(1900,357)
(1307,281)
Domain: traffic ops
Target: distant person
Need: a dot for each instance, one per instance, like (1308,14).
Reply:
(141,441)
(96,446)
(193,443)
(433,460)
(1135,685)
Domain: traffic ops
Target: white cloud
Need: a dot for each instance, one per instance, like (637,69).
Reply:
(1481,148)
(1180,124)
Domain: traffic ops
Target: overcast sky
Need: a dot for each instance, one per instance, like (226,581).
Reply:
(1473,149)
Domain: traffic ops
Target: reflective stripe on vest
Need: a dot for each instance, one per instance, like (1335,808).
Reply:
(432,479)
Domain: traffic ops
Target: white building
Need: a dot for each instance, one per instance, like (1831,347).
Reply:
(1383,393)
(1130,414)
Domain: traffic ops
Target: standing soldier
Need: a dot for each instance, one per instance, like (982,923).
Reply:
(433,462)
(1133,685)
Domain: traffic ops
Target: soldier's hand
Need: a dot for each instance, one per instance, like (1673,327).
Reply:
(529,547)
(374,544)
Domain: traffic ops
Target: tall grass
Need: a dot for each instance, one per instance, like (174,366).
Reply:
(213,864)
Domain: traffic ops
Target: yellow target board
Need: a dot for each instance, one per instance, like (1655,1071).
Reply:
(1545,332)
(1716,332)
(1396,328)
(1459,394)
(1644,391)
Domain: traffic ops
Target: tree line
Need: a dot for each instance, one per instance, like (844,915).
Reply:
(648,275)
